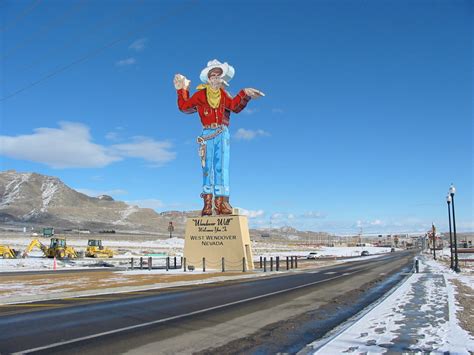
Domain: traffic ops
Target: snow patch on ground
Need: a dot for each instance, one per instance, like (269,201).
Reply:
(48,189)
(125,214)
(12,190)
(419,317)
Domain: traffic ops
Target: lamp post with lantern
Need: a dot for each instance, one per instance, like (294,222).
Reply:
(452,191)
(448,200)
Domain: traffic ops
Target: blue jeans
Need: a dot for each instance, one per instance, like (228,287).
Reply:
(215,173)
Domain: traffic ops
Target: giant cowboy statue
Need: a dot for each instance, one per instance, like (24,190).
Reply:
(214,105)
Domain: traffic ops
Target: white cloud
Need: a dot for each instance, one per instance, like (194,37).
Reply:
(248,134)
(115,134)
(313,214)
(138,45)
(71,146)
(147,203)
(112,136)
(363,224)
(146,148)
(250,111)
(126,62)
(95,193)
(252,213)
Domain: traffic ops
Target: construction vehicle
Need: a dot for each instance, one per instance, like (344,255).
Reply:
(8,253)
(96,250)
(57,248)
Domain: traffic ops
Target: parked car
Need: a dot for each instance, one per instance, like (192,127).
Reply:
(312,255)
(364,253)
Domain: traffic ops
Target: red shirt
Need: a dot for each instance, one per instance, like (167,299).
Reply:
(221,114)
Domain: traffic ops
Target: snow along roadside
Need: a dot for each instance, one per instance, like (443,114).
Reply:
(419,316)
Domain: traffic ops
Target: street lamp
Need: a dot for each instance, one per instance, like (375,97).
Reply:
(452,191)
(448,200)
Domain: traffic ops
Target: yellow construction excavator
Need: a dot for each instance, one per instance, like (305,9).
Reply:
(57,248)
(96,250)
(8,253)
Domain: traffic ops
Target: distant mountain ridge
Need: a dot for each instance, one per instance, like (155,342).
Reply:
(35,199)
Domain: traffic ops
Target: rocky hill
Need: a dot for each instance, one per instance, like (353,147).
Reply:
(33,199)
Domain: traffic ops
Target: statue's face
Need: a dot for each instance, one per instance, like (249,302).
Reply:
(215,81)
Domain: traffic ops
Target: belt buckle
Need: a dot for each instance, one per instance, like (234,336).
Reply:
(214,125)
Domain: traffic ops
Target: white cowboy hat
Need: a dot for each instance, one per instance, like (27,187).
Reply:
(227,71)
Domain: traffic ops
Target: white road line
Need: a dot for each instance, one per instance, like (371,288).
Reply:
(170,318)
(330,273)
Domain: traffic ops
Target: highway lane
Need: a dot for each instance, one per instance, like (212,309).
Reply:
(71,326)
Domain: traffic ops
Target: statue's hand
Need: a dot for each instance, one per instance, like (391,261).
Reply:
(253,93)
(181,82)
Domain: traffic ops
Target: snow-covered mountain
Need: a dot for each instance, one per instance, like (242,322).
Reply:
(34,199)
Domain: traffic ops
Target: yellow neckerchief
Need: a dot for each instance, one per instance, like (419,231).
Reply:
(213,96)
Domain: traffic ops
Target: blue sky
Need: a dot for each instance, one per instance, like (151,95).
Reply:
(367,117)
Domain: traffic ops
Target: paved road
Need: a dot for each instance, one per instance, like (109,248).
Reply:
(117,322)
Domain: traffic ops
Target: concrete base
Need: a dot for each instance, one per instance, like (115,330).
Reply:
(217,237)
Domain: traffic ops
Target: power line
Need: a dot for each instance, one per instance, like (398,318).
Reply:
(97,51)
(45,30)
(73,41)
(20,16)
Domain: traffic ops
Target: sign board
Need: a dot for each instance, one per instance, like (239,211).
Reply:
(217,237)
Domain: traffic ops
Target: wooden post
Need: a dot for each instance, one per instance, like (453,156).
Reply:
(141,263)
(277,263)
(265,264)
(223,265)
(260,262)
(292,263)
(184,264)
(203,264)
(287,263)
(131,263)
(244,265)
(271,263)
(296,262)
(175,262)
(149,263)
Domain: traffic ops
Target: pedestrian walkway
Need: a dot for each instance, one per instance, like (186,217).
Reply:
(418,317)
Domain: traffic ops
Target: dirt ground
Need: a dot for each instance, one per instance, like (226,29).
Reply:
(81,281)
(465,297)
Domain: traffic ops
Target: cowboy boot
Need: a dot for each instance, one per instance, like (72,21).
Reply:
(207,210)
(222,207)
(227,204)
